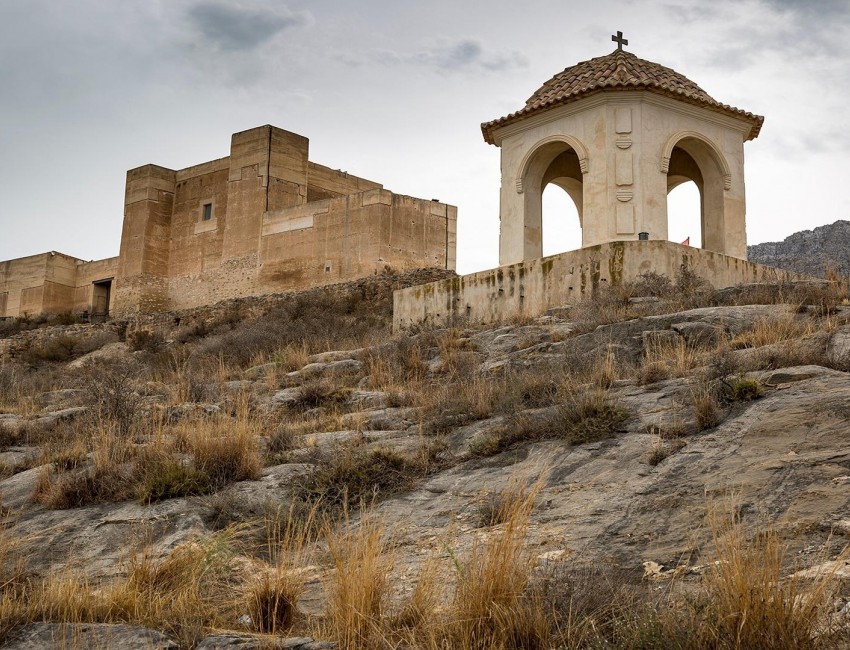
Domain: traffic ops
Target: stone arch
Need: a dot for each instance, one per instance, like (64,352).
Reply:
(690,156)
(561,160)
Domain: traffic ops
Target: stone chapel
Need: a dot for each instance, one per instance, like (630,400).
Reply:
(616,133)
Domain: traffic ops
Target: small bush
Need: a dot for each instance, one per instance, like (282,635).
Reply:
(55,350)
(64,318)
(322,392)
(586,417)
(281,441)
(741,389)
(349,475)
(111,395)
(75,489)
(706,407)
(145,341)
(448,406)
(168,478)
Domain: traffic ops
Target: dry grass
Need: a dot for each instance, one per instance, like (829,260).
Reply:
(662,448)
(489,609)
(584,416)
(748,600)
(183,594)
(707,409)
(272,597)
(664,360)
(358,593)
(194,458)
(767,331)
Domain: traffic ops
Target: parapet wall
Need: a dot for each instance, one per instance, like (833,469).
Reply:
(530,288)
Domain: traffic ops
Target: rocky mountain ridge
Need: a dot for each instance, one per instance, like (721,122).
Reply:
(811,252)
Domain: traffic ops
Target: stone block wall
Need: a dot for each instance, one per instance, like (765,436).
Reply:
(530,288)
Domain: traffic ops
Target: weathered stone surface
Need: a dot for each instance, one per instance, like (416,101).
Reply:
(192,409)
(97,636)
(59,399)
(14,457)
(392,418)
(369,399)
(287,396)
(780,454)
(249,642)
(698,333)
(261,371)
(320,369)
(51,418)
(659,338)
(336,355)
(111,352)
(97,539)
(838,351)
(238,385)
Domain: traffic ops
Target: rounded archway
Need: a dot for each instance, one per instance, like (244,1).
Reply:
(684,214)
(561,222)
(693,161)
(560,162)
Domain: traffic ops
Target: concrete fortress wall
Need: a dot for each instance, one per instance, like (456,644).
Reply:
(262,220)
(277,222)
(50,283)
(530,288)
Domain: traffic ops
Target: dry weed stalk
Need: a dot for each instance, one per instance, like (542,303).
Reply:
(488,607)
(272,597)
(359,587)
(749,602)
(766,331)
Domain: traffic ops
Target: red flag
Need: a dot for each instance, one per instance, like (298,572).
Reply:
(687,242)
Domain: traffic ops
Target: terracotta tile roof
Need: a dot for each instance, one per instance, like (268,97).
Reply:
(619,70)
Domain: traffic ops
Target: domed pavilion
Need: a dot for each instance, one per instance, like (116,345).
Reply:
(617,133)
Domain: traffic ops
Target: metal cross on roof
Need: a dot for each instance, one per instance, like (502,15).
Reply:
(619,40)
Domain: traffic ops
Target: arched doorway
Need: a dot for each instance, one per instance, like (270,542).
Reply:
(697,177)
(561,221)
(559,163)
(684,214)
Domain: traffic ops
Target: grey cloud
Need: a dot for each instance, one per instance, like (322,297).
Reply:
(241,27)
(465,54)
(819,8)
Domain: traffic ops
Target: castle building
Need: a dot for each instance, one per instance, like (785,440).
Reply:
(262,220)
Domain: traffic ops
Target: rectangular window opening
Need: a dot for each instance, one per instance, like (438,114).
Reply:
(206,213)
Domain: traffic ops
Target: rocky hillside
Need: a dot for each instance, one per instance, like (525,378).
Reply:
(811,252)
(640,470)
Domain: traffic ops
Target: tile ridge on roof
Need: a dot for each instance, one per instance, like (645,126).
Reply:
(618,70)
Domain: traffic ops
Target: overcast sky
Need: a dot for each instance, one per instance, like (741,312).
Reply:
(393,90)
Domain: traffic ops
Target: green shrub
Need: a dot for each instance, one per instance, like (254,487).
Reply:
(54,350)
(323,392)
(585,417)
(171,479)
(348,475)
(741,389)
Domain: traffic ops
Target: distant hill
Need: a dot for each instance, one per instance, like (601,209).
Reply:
(808,251)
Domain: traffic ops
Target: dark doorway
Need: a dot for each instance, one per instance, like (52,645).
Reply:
(101,294)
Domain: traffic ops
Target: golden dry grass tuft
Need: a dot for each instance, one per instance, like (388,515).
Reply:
(358,593)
